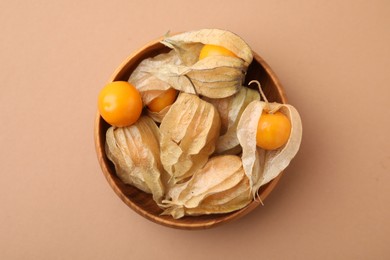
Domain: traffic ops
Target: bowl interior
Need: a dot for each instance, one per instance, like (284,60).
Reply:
(143,203)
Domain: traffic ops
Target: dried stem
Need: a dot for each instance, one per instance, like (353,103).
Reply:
(261,93)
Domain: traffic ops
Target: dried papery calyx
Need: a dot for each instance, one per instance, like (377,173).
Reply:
(189,44)
(221,186)
(189,132)
(230,110)
(214,76)
(159,106)
(206,156)
(261,166)
(158,116)
(153,76)
(135,153)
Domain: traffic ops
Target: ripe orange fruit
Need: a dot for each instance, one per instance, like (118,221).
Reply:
(162,101)
(214,50)
(120,103)
(273,131)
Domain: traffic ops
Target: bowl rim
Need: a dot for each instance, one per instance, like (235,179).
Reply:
(156,219)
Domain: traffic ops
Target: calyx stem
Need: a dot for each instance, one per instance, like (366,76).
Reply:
(267,107)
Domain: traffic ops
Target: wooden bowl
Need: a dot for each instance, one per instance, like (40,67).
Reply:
(143,203)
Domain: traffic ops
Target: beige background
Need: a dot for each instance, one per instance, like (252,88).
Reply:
(333,58)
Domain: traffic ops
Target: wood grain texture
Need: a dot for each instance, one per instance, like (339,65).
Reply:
(143,203)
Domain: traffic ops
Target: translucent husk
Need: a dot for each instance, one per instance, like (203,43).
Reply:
(262,166)
(237,198)
(189,44)
(135,153)
(146,80)
(157,74)
(158,116)
(173,162)
(230,110)
(214,76)
(189,132)
(221,186)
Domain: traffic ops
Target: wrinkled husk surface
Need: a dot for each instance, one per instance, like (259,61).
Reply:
(221,186)
(214,76)
(189,44)
(189,132)
(191,163)
(135,153)
(148,83)
(158,116)
(262,166)
(230,110)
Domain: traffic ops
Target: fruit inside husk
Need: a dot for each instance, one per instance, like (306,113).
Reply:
(198,155)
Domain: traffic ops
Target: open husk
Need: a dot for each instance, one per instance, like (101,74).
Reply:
(221,186)
(146,76)
(191,163)
(230,110)
(189,44)
(262,166)
(189,132)
(214,76)
(135,153)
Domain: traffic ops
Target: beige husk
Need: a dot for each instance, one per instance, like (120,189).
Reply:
(190,163)
(262,166)
(189,44)
(135,153)
(148,84)
(230,110)
(221,186)
(189,132)
(214,76)
(158,116)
